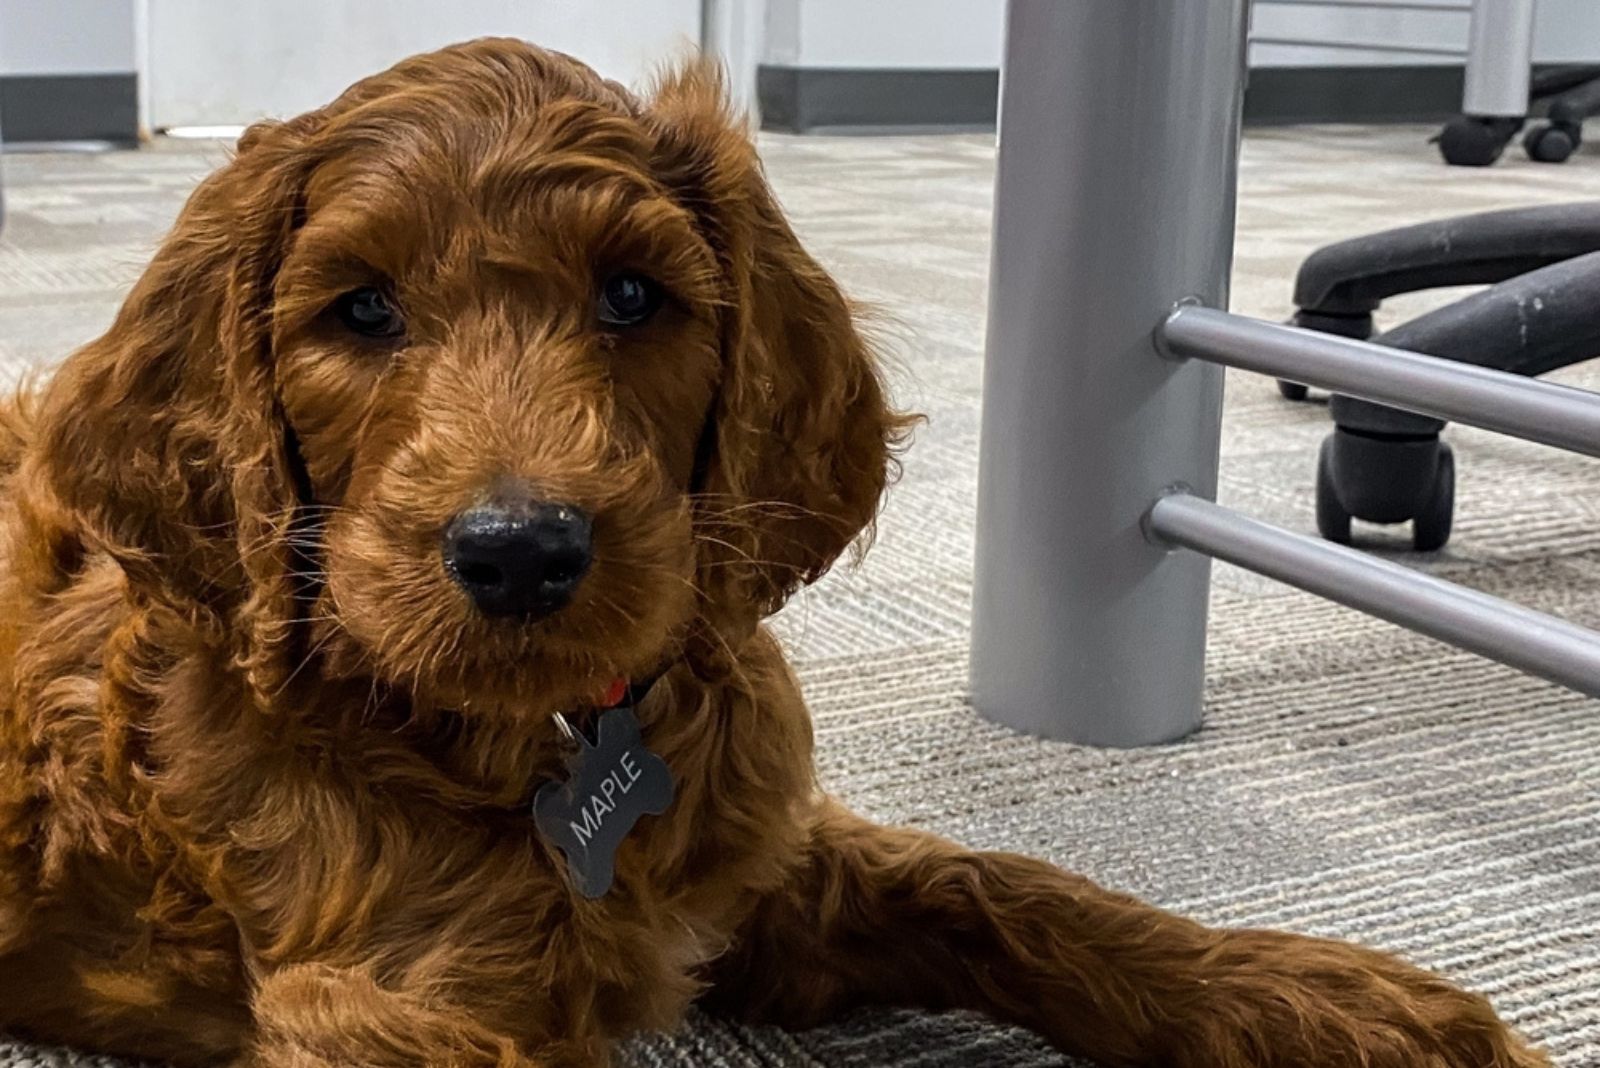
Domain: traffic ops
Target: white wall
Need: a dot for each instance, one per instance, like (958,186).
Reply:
(214,62)
(967,33)
(225,62)
(1565,31)
(938,34)
(1287,35)
(66,36)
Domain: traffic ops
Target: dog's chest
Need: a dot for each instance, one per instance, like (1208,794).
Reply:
(627,959)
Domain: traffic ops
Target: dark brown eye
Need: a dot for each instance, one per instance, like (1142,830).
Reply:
(369,312)
(628,298)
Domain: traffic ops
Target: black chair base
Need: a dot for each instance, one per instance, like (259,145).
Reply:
(1542,268)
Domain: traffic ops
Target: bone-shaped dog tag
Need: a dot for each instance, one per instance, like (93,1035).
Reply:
(611,784)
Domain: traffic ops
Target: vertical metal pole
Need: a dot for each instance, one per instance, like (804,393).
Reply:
(1119,132)
(1499,59)
(731,31)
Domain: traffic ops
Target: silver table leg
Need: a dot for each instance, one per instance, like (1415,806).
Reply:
(1499,59)
(1119,129)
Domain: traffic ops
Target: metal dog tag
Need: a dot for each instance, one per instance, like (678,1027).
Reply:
(611,784)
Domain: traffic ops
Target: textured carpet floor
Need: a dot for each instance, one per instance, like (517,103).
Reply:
(1351,779)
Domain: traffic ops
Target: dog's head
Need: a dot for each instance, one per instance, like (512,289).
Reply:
(488,381)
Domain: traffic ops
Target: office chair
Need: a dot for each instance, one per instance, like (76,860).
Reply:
(1572,94)
(1540,311)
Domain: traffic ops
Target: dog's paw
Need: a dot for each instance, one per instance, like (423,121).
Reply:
(1288,1002)
(1440,1026)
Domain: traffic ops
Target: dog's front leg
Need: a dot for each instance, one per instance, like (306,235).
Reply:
(313,1016)
(893,917)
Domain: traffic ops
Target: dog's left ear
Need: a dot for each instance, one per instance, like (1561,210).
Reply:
(802,438)
(163,440)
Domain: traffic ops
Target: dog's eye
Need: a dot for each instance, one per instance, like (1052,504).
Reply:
(370,313)
(628,298)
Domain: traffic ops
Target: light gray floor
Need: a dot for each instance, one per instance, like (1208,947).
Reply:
(1351,780)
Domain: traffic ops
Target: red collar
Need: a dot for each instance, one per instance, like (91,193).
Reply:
(622,691)
(613,694)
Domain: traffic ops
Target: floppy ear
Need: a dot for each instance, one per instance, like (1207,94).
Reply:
(163,441)
(801,437)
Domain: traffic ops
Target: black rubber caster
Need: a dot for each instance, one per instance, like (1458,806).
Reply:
(1386,480)
(1474,141)
(1430,528)
(1292,390)
(1550,143)
(1333,522)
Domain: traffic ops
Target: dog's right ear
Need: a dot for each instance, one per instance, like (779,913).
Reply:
(161,440)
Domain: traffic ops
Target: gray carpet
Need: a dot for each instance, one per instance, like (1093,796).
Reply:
(1351,780)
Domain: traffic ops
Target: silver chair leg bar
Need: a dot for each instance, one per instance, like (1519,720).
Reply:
(1551,414)
(1530,641)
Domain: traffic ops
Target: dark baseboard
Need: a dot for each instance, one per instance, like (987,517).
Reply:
(819,99)
(69,107)
(1278,96)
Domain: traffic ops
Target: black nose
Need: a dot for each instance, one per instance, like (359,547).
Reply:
(521,559)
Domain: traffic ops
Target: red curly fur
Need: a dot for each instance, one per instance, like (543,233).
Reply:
(264,772)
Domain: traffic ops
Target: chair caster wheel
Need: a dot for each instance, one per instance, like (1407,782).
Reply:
(1550,144)
(1333,521)
(1386,480)
(1430,527)
(1292,390)
(1474,141)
